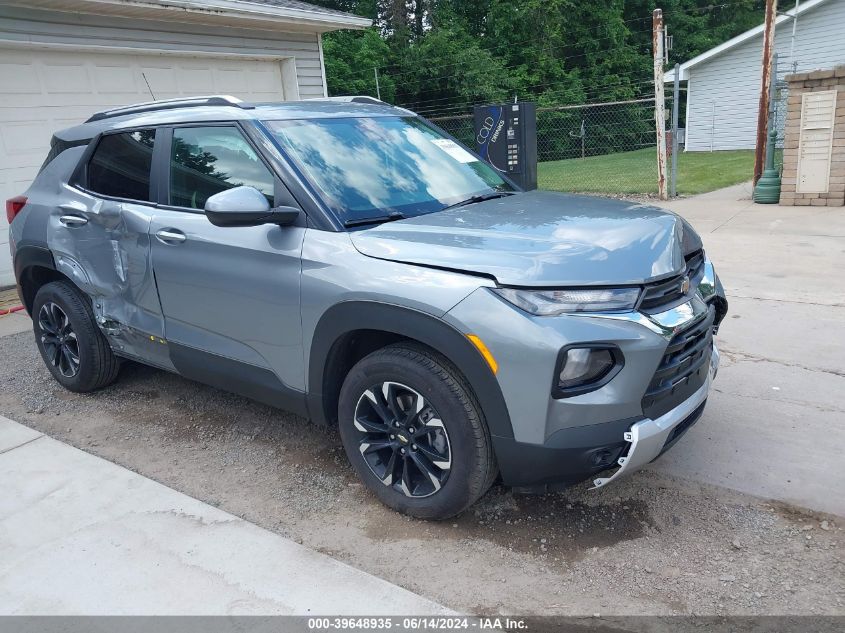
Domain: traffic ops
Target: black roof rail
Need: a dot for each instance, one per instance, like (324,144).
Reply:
(171,104)
(351,99)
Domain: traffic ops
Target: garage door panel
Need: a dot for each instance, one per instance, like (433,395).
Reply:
(116,80)
(19,78)
(69,78)
(230,81)
(25,137)
(161,80)
(42,91)
(196,79)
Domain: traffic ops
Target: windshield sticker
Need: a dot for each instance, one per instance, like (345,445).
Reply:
(454,150)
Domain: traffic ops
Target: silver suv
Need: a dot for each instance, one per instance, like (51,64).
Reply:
(352,263)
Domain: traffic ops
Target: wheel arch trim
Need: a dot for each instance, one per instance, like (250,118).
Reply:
(28,257)
(350,316)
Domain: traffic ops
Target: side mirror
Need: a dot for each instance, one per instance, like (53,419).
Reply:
(246,206)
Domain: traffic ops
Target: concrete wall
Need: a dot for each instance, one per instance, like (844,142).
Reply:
(799,84)
(724,91)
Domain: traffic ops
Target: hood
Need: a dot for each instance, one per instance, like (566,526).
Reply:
(541,238)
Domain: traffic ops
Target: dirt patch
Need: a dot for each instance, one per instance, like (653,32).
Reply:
(550,525)
(647,545)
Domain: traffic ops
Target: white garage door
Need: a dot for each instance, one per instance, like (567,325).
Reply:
(43,91)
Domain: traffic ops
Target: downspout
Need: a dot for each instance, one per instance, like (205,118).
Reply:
(792,42)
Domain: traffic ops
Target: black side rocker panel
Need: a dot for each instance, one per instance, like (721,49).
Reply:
(366,315)
(255,383)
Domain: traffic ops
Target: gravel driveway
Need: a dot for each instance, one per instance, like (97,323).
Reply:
(652,544)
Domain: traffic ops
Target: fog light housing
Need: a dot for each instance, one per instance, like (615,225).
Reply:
(584,368)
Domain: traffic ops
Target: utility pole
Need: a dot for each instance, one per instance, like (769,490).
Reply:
(378,90)
(676,96)
(766,79)
(659,102)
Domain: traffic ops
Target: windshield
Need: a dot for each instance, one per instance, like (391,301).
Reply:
(373,167)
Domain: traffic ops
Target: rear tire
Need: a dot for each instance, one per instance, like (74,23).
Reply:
(414,432)
(71,344)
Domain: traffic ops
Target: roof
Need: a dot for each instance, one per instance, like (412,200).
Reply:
(302,6)
(237,111)
(261,14)
(757,31)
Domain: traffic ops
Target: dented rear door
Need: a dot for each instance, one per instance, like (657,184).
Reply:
(99,236)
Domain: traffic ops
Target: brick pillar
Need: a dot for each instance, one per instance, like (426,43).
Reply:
(815,81)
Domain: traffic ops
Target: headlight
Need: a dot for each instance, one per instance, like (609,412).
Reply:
(552,302)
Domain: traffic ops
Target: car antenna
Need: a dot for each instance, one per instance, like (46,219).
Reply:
(144,75)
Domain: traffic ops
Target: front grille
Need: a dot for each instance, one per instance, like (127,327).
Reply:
(683,368)
(695,267)
(663,295)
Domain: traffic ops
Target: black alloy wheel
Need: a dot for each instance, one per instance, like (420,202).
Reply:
(74,349)
(402,439)
(59,340)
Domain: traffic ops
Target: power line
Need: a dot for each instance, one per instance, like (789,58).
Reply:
(594,87)
(530,90)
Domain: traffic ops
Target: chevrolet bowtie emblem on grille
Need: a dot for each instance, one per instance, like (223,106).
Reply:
(685,285)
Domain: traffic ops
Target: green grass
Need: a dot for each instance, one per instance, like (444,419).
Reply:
(636,172)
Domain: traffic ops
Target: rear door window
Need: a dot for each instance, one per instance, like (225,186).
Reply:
(120,166)
(208,160)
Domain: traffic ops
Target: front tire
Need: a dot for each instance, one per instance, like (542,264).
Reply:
(414,432)
(71,344)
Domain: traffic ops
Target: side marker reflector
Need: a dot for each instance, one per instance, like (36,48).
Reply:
(482,348)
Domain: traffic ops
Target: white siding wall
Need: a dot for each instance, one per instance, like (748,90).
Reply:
(28,25)
(725,90)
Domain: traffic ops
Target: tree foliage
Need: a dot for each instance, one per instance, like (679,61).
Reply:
(440,56)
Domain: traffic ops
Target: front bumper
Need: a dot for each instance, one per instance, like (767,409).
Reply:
(573,455)
(648,438)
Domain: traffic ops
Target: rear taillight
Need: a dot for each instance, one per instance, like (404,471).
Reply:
(14,206)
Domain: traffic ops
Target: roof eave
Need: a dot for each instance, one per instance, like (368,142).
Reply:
(241,13)
(300,16)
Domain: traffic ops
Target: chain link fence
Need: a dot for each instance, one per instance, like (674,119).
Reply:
(607,148)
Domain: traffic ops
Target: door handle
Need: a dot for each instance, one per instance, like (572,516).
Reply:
(170,236)
(73,220)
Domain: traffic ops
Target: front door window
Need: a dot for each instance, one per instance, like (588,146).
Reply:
(208,160)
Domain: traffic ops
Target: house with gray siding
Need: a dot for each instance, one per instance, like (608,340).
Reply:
(62,60)
(723,84)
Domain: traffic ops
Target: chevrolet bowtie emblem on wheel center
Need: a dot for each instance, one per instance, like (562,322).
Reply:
(402,438)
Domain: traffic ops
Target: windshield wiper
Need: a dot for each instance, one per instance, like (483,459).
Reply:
(393,215)
(479,198)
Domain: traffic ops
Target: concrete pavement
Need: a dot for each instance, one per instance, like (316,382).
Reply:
(80,535)
(14,323)
(775,424)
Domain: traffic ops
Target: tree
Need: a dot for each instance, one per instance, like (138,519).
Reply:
(441,56)
(350,62)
